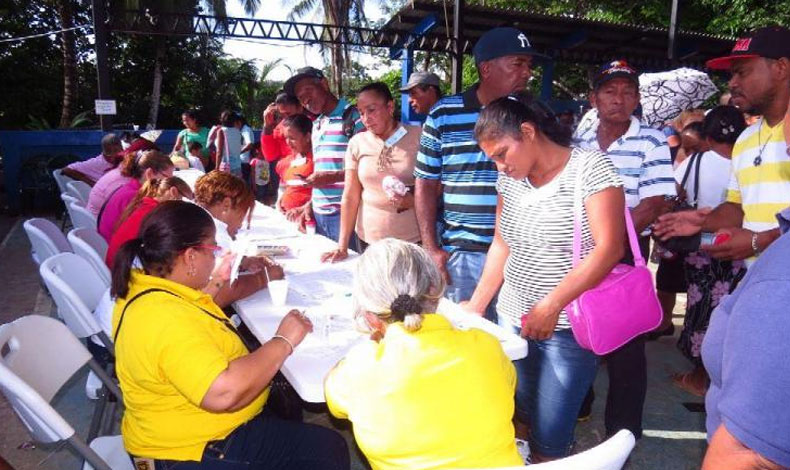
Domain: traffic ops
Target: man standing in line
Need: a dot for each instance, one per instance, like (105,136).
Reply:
(424,92)
(337,121)
(452,168)
(641,155)
(760,182)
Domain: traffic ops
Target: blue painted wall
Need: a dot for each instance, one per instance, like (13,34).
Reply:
(18,146)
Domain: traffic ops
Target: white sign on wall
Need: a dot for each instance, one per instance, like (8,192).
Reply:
(105,107)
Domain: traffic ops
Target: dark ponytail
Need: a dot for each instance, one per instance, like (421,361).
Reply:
(504,116)
(172,227)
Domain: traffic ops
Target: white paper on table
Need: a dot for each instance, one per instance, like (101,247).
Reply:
(323,284)
(240,247)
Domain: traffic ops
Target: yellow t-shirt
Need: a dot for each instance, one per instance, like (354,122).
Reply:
(430,399)
(762,190)
(168,353)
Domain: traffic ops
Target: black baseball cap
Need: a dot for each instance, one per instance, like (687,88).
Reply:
(304,72)
(501,42)
(772,42)
(615,69)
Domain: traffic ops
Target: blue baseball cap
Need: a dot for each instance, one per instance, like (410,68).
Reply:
(501,42)
(615,69)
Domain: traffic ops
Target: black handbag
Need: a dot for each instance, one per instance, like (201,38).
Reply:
(683,202)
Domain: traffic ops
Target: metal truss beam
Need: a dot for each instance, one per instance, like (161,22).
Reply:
(146,22)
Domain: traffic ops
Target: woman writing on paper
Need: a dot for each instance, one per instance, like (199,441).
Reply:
(422,395)
(229,201)
(194,395)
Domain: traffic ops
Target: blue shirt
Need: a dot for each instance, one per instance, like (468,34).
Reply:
(449,153)
(745,352)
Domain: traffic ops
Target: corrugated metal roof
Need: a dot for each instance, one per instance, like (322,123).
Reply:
(567,37)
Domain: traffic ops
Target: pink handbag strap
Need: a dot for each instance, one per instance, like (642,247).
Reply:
(633,242)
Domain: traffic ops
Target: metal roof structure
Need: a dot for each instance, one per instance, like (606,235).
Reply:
(564,37)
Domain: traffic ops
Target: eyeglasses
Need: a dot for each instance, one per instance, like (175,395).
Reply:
(215,249)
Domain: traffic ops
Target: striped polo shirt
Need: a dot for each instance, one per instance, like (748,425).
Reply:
(449,153)
(763,189)
(329,151)
(641,156)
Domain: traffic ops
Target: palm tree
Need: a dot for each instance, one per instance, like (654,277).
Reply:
(335,13)
(68,49)
(216,7)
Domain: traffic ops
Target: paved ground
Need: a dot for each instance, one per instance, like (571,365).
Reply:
(674,436)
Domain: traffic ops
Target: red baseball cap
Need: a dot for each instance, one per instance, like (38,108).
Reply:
(772,42)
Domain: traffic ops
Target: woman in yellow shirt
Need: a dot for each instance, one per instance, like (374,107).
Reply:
(421,395)
(194,395)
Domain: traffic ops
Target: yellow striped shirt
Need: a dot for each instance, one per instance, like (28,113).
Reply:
(762,190)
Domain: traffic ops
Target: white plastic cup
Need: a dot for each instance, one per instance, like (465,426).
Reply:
(278,291)
(310,227)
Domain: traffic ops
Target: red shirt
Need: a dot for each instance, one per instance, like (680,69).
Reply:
(296,193)
(273,146)
(129,228)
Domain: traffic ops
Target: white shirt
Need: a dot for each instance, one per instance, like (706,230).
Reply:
(641,156)
(714,174)
(222,236)
(247,137)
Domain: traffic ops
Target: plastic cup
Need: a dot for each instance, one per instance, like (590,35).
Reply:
(278,291)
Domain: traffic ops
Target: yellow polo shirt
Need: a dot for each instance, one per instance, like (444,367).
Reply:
(430,399)
(168,354)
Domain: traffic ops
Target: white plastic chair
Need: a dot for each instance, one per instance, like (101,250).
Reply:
(79,189)
(77,290)
(608,455)
(90,245)
(46,239)
(38,355)
(81,217)
(62,180)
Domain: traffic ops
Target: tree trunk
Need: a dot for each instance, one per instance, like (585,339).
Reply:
(156,92)
(337,68)
(66,13)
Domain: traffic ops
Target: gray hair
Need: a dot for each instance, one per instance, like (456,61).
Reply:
(109,141)
(392,273)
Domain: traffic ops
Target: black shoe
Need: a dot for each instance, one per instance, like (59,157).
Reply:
(655,334)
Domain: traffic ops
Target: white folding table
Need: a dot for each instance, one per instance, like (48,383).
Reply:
(324,291)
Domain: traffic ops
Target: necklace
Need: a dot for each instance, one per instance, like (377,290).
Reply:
(759,158)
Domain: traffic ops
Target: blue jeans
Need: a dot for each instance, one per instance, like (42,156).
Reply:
(267,442)
(329,226)
(465,268)
(552,382)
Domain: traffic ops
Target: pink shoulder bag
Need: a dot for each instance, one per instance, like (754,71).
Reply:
(623,306)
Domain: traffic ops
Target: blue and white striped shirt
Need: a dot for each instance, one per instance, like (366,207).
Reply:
(449,153)
(641,156)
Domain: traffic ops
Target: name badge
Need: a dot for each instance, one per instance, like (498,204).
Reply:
(394,138)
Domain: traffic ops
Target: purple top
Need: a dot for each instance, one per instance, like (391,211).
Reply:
(115,206)
(745,352)
(106,185)
(94,168)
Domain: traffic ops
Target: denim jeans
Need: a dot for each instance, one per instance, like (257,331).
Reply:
(552,382)
(267,442)
(329,226)
(465,268)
